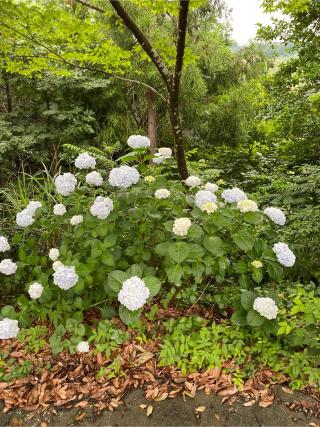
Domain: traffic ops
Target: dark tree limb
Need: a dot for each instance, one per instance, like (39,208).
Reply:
(143,41)
(181,43)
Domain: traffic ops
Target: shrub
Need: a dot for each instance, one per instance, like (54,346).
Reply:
(128,240)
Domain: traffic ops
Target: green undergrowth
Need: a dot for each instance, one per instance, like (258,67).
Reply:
(190,343)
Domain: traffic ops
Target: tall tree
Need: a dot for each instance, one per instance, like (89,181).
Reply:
(172,80)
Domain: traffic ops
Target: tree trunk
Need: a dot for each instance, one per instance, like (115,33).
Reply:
(178,137)
(152,121)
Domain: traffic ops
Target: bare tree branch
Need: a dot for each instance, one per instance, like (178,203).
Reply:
(142,39)
(182,29)
(90,6)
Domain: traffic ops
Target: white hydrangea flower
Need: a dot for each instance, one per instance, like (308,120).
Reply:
(211,187)
(123,176)
(149,179)
(33,206)
(247,206)
(102,207)
(85,161)
(65,184)
(233,195)
(83,347)
(162,193)
(8,328)
(65,277)
(181,226)
(193,181)
(8,267)
(257,264)
(203,197)
(94,178)
(209,207)
(284,255)
(162,154)
(54,254)
(266,307)
(138,141)
(59,209)
(165,152)
(56,265)
(76,219)
(158,159)
(24,218)
(4,244)
(134,293)
(276,215)
(35,290)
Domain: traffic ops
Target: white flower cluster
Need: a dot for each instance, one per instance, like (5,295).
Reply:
(203,196)
(65,184)
(138,141)
(8,267)
(8,328)
(123,176)
(193,181)
(162,193)
(35,290)
(65,277)
(247,206)
(56,265)
(276,215)
(83,347)
(85,161)
(59,209)
(26,216)
(210,186)
(233,195)
(94,178)
(76,220)
(54,254)
(284,255)
(266,307)
(149,179)
(33,206)
(181,226)
(209,207)
(134,293)
(4,244)
(162,154)
(102,207)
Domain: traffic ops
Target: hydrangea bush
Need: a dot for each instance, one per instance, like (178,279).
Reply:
(117,241)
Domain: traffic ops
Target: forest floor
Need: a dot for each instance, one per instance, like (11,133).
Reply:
(288,409)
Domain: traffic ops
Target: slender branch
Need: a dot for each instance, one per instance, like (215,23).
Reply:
(91,6)
(144,42)
(182,29)
(61,59)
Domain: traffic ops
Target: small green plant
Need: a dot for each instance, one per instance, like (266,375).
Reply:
(34,339)
(106,337)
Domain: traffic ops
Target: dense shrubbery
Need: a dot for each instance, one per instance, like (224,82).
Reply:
(130,239)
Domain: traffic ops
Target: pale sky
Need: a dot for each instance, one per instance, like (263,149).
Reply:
(245,15)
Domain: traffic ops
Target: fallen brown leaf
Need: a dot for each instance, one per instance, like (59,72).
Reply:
(286,390)
(149,410)
(201,409)
(249,403)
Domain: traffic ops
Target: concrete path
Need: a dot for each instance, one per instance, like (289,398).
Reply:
(177,412)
